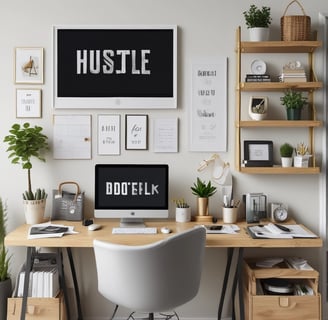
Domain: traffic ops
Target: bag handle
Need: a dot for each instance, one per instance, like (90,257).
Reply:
(60,188)
(298,4)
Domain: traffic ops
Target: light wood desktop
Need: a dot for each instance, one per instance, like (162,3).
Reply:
(84,239)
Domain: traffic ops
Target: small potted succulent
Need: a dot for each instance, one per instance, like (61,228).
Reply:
(203,191)
(258,21)
(182,210)
(24,143)
(301,160)
(294,102)
(286,153)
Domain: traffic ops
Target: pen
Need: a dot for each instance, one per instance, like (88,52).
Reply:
(283,228)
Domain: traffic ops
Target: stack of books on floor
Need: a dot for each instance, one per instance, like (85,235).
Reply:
(44,281)
(293,75)
(257,78)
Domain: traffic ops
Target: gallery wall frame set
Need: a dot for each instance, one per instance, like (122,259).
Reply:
(28,65)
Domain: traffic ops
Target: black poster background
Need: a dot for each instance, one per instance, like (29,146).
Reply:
(160,83)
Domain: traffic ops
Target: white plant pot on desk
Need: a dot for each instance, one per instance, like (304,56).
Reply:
(302,161)
(182,214)
(34,211)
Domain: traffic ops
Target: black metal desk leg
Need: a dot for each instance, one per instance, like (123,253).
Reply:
(28,267)
(225,281)
(62,281)
(238,281)
(76,284)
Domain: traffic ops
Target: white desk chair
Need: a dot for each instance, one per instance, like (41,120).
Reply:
(151,278)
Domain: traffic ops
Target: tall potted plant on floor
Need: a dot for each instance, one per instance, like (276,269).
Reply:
(5,280)
(24,143)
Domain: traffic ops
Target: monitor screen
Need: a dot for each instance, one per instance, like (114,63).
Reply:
(131,191)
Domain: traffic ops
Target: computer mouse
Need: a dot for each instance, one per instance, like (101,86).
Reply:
(94,227)
(165,230)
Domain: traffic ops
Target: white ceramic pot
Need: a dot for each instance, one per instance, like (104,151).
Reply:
(182,214)
(34,211)
(286,162)
(229,215)
(301,161)
(259,34)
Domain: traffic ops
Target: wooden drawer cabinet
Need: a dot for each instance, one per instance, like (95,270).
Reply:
(259,306)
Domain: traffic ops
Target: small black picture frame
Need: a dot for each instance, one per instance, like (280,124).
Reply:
(258,153)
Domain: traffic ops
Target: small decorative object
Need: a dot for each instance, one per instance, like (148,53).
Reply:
(258,21)
(301,160)
(182,211)
(293,72)
(258,107)
(5,281)
(286,153)
(203,191)
(24,143)
(293,101)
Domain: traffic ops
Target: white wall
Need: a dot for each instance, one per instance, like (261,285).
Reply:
(206,30)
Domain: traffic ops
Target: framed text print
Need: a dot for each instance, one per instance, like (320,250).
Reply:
(109,134)
(115,67)
(29,65)
(28,103)
(136,132)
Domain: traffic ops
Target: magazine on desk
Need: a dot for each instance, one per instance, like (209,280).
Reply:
(275,231)
(49,230)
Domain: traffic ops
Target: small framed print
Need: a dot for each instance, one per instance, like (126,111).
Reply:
(136,132)
(28,103)
(29,65)
(258,153)
(109,134)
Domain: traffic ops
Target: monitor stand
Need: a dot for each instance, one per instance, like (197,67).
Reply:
(132,223)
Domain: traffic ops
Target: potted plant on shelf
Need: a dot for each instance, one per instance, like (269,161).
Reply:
(294,102)
(301,160)
(258,21)
(24,143)
(286,153)
(203,191)
(5,280)
(182,210)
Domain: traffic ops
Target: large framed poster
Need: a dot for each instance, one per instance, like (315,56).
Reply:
(115,67)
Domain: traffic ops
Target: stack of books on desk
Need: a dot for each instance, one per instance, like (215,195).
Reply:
(293,75)
(257,78)
(44,282)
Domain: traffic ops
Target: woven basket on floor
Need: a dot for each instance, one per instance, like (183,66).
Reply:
(295,28)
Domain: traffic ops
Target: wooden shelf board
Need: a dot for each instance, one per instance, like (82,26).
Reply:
(280,86)
(279,46)
(279,170)
(279,124)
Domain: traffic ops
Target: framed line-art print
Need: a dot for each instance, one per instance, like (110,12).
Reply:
(136,132)
(109,127)
(118,67)
(29,65)
(28,103)
(258,153)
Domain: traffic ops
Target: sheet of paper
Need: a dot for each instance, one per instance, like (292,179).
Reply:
(166,135)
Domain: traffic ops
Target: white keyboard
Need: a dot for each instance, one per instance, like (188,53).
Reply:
(133,230)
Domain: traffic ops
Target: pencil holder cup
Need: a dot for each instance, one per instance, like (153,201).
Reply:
(182,214)
(229,215)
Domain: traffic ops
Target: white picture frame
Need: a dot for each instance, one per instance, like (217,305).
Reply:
(28,103)
(28,65)
(136,132)
(109,128)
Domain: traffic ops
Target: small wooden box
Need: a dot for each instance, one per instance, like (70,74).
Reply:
(271,307)
(38,308)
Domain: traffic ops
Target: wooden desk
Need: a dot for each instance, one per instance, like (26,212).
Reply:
(84,239)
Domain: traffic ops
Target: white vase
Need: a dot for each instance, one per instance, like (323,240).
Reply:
(182,214)
(259,34)
(286,162)
(34,211)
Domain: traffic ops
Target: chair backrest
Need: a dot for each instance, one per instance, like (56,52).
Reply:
(151,278)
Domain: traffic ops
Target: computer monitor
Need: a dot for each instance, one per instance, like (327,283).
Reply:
(131,192)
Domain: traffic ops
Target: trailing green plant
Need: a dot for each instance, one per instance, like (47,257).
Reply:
(26,142)
(202,189)
(4,259)
(181,203)
(293,99)
(257,18)
(286,150)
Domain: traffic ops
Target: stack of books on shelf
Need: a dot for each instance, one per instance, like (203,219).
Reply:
(44,281)
(293,74)
(257,78)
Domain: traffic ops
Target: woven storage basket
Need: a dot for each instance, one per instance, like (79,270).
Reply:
(295,28)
